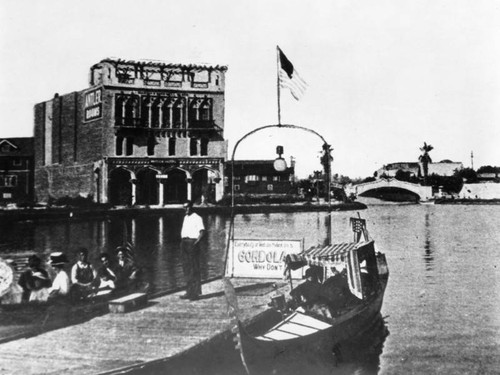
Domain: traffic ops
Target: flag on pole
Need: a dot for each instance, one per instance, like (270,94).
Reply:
(289,77)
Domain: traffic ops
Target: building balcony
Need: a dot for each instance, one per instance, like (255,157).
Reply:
(196,129)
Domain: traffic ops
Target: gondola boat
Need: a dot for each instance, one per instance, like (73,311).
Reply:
(292,337)
(306,338)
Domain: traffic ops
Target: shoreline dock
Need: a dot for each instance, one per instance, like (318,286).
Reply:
(57,213)
(153,337)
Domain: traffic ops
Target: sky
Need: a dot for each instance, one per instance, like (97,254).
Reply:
(383,76)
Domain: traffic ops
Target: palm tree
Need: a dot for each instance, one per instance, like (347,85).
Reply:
(425,159)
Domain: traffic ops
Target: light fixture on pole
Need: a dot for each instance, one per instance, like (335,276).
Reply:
(279,163)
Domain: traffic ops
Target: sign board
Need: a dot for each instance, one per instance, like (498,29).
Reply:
(93,104)
(261,258)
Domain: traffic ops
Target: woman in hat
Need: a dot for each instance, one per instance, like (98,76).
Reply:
(35,281)
(61,284)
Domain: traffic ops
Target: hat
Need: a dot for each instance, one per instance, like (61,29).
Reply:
(34,261)
(58,258)
(40,275)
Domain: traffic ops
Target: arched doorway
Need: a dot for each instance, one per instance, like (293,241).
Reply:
(147,187)
(203,185)
(176,187)
(120,187)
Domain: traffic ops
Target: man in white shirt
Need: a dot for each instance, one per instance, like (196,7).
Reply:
(61,284)
(191,234)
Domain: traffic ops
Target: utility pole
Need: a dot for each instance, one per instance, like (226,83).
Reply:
(472,160)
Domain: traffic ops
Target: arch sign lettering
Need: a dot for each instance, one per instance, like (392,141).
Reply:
(261,258)
(93,104)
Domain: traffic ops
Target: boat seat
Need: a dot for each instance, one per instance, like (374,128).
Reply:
(128,303)
(296,325)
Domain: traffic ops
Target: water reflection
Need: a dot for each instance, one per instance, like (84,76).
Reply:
(361,355)
(428,250)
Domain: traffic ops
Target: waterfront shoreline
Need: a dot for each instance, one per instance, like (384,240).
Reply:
(56,213)
(477,201)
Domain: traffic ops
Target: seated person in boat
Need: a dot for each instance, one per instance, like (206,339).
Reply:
(105,273)
(35,281)
(126,271)
(335,290)
(83,276)
(308,292)
(61,284)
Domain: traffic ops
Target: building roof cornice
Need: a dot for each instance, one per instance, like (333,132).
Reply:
(164,64)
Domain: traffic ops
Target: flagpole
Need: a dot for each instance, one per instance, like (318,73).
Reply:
(278,82)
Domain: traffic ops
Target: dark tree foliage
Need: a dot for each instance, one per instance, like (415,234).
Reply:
(467,174)
(406,176)
(488,169)
(449,184)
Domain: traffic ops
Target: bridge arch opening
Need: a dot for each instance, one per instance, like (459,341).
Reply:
(392,194)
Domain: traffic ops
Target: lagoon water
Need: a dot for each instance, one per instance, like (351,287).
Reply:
(442,303)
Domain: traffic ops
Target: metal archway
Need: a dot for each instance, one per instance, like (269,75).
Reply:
(326,148)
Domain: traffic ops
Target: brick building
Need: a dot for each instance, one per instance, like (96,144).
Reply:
(16,170)
(259,177)
(144,132)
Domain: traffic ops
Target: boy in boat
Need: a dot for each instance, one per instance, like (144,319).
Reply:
(125,269)
(83,276)
(105,273)
(35,281)
(61,284)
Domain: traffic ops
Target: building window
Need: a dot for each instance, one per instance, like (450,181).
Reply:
(8,181)
(5,148)
(270,187)
(204,147)
(151,146)
(276,178)
(171,146)
(119,146)
(264,178)
(129,146)
(206,110)
(236,187)
(119,110)
(193,147)
(177,115)
(17,162)
(193,112)
(252,178)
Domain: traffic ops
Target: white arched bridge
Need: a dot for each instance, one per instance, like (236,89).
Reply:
(422,192)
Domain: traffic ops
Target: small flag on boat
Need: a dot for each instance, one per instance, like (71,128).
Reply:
(289,77)
(357,225)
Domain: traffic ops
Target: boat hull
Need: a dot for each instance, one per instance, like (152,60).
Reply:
(314,352)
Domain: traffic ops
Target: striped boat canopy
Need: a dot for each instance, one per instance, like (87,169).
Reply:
(324,256)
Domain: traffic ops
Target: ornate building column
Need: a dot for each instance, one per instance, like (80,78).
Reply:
(150,113)
(160,113)
(133,182)
(161,189)
(189,188)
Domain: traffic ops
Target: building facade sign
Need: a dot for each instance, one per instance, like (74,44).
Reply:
(261,258)
(93,104)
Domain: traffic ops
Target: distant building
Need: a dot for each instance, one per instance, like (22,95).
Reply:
(391,169)
(144,132)
(16,170)
(259,177)
(488,177)
(443,168)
